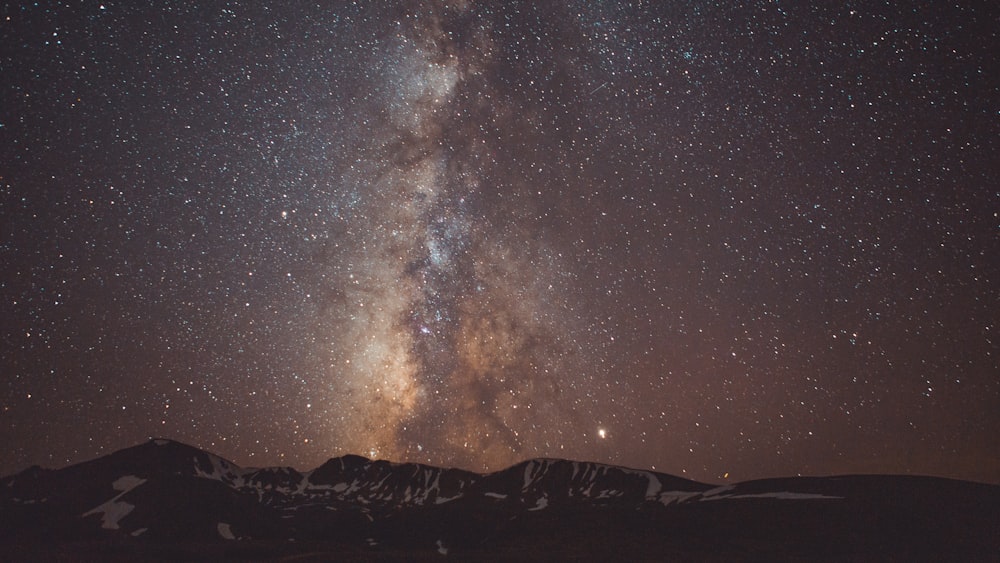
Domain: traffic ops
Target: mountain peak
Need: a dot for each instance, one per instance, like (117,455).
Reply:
(165,492)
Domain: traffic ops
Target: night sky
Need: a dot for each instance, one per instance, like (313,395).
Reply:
(724,240)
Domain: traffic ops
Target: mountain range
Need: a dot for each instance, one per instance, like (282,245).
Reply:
(164,500)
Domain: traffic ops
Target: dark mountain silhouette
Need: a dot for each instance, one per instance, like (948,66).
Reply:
(167,500)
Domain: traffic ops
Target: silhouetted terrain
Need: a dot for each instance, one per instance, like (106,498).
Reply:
(168,501)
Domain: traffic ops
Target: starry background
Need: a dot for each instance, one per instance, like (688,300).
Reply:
(718,239)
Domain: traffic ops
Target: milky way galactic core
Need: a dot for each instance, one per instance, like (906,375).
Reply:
(724,240)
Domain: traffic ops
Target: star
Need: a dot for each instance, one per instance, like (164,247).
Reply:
(464,233)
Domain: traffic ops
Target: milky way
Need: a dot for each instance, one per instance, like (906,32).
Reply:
(450,312)
(722,240)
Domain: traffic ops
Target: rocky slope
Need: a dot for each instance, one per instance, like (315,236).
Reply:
(164,499)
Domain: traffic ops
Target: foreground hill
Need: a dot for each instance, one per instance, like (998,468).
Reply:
(167,500)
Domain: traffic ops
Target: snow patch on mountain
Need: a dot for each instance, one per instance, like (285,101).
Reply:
(127,483)
(728,492)
(676,497)
(784,495)
(111,513)
(442,500)
(717,491)
(653,486)
(114,510)
(542,503)
(222,470)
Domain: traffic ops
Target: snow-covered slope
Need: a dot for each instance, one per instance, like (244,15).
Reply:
(167,492)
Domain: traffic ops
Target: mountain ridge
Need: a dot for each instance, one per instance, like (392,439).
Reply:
(165,492)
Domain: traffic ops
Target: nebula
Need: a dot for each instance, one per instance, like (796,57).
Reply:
(454,333)
(721,239)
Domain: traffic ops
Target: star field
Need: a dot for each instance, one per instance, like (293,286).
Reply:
(718,239)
